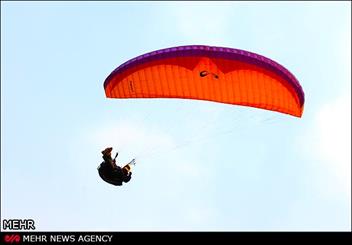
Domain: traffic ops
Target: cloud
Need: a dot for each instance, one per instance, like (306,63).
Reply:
(202,22)
(333,127)
(201,215)
(330,144)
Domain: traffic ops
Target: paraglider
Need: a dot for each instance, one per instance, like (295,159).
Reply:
(218,74)
(112,173)
(224,75)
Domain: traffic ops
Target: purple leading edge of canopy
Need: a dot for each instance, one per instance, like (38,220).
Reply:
(213,52)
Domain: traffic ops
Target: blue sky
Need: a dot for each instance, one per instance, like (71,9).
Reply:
(201,166)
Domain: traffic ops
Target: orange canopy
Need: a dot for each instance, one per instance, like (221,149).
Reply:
(217,74)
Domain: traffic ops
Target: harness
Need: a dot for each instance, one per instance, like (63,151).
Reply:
(109,179)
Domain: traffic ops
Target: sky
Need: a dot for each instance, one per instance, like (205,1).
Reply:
(201,166)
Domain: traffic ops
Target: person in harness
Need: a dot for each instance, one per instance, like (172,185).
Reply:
(111,173)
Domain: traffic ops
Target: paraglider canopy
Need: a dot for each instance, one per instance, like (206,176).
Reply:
(225,75)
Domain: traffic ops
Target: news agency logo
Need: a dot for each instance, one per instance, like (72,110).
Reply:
(18,224)
(13,238)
